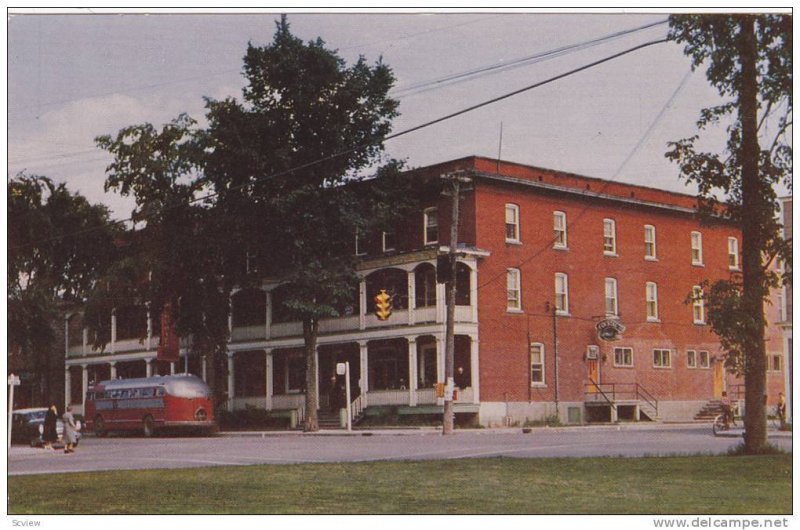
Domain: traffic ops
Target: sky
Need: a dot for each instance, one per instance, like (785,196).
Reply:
(72,77)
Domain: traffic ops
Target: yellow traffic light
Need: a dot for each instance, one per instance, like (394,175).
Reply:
(383,305)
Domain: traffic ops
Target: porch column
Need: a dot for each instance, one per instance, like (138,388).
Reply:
(172,368)
(66,336)
(473,293)
(362,304)
(84,384)
(231,389)
(269,370)
(113,370)
(67,387)
(148,367)
(268,331)
(439,365)
(441,296)
(205,369)
(113,332)
(412,371)
(474,361)
(316,374)
(149,329)
(412,298)
(364,381)
(230,315)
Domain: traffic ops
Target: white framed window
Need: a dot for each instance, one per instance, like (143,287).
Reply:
(698,306)
(691,359)
(662,358)
(774,362)
(537,364)
(612,305)
(651,301)
(705,360)
(562,293)
(733,253)
(431,226)
(649,242)
(697,248)
(559,230)
(623,357)
(387,239)
(609,237)
(513,291)
(512,223)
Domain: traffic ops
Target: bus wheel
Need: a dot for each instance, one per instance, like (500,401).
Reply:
(148,426)
(99,427)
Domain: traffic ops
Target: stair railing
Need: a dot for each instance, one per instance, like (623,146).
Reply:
(598,390)
(357,407)
(643,395)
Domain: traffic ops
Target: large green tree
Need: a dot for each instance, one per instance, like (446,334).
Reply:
(59,246)
(285,163)
(748,59)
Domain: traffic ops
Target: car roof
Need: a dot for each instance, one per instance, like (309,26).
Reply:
(28,411)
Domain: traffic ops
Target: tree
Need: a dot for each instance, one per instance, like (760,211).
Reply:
(174,259)
(288,157)
(59,246)
(749,62)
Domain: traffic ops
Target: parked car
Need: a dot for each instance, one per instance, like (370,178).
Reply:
(28,425)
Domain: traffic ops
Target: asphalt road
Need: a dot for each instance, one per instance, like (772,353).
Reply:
(114,453)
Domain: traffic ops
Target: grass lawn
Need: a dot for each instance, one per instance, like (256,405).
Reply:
(675,485)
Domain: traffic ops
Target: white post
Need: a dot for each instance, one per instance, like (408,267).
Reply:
(440,305)
(148,367)
(113,332)
(412,371)
(13,381)
(362,304)
(268,332)
(67,387)
(439,366)
(149,328)
(473,292)
(364,382)
(205,371)
(231,389)
(412,298)
(85,385)
(66,336)
(474,359)
(269,389)
(113,370)
(172,368)
(347,390)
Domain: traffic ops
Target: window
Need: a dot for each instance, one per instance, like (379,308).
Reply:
(733,253)
(388,241)
(560,230)
(662,358)
(295,374)
(691,358)
(775,362)
(705,360)
(562,293)
(697,248)
(609,237)
(651,297)
(512,223)
(537,364)
(425,285)
(359,251)
(513,290)
(623,357)
(649,242)
(611,297)
(431,224)
(698,308)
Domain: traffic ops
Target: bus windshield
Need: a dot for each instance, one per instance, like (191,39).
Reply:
(189,387)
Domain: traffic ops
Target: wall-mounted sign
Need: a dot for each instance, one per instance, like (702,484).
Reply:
(610,329)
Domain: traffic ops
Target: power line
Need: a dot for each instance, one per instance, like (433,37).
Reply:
(396,135)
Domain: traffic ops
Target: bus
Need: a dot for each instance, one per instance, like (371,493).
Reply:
(148,404)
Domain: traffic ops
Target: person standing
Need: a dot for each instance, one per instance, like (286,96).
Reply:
(70,431)
(50,433)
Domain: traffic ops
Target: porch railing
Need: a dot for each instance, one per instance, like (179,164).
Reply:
(613,392)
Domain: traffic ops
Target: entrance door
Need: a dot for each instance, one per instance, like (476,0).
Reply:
(719,379)
(594,374)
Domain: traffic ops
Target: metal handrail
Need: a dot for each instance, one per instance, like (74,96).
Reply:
(648,397)
(596,385)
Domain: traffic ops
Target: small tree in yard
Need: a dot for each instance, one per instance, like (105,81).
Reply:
(284,163)
(749,61)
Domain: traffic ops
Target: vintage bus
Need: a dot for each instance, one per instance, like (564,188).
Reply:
(148,404)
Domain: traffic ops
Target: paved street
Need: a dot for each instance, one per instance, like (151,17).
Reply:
(112,453)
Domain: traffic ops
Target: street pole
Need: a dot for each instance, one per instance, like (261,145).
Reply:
(13,381)
(347,391)
(448,420)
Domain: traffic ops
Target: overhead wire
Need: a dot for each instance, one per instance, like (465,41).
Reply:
(402,133)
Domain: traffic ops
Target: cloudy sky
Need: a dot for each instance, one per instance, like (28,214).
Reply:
(74,76)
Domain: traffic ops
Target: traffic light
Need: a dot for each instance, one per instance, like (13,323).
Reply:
(383,305)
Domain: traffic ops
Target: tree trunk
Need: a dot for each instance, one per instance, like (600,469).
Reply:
(310,329)
(754,210)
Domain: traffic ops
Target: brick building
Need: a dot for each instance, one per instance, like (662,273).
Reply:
(549,263)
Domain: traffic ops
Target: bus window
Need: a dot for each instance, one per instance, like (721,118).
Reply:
(147,392)
(159,391)
(135,393)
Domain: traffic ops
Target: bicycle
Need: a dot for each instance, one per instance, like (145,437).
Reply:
(720,424)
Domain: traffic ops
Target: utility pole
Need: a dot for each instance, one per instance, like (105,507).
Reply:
(455,180)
